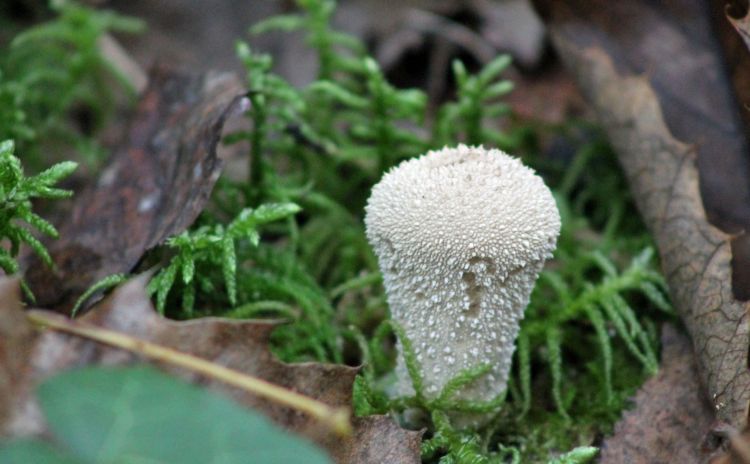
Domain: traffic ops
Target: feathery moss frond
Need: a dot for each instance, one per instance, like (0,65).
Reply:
(16,192)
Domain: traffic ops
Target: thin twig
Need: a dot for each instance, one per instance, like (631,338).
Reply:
(335,418)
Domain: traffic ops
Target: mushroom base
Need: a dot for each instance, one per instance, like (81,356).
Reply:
(456,337)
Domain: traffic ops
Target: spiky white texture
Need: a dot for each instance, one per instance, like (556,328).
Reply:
(461,235)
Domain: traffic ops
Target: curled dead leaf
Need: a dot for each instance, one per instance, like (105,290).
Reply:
(695,255)
(154,186)
(670,414)
(655,76)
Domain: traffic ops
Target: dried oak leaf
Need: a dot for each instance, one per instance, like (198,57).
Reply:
(154,186)
(695,255)
(673,45)
(664,112)
(239,345)
(670,415)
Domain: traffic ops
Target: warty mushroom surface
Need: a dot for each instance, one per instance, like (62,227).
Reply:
(461,235)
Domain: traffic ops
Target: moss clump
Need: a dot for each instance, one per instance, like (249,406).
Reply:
(590,333)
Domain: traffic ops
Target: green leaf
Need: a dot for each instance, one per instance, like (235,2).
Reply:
(41,224)
(361,397)
(524,372)
(229,268)
(188,266)
(339,93)
(580,455)
(33,451)
(103,284)
(138,414)
(6,147)
(656,297)
(35,245)
(554,358)
(410,358)
(49,192)
(274,211)
(494,68)
(188,298)
(279,23)
(165,280)
(247,221)
(9,265)
(54,174)
(459,70)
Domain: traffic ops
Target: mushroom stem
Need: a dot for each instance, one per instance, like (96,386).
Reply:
(461,235)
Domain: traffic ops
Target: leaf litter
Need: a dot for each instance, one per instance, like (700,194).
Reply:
(670,416)
(239,345)
(658,141)
(153,187)
(681,138)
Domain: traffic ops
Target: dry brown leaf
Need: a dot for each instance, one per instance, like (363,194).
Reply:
(549,95)
(670,416)
(376,439)
(239,345)
(673,46)
(667,105)
(695,255)
(739,449)
(154,186)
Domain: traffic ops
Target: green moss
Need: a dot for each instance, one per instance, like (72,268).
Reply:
(589,336)
(17,217)
(588,339)
(53,69)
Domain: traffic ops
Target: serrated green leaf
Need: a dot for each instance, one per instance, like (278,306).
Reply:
(41,224)
(138,414)
(340,94)
(600,328)
(50,192)
(604,263)
(9,265)
(459,70)
(361,397)
(229,268)
(655,296)
(580,455)
(249,218)
(165,281)
(274,211)
(554,358)
(35,245)
(54,174)
(642,259)
(498,90)
(103,284)
(188,298)
(492,69)
(188,267)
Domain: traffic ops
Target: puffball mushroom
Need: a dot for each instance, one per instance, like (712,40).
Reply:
(461,235)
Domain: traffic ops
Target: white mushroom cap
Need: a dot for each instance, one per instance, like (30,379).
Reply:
(461,235)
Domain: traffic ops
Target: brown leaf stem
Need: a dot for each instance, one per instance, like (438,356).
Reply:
(335,418)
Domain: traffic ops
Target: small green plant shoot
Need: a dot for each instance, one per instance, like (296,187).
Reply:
(17,219)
